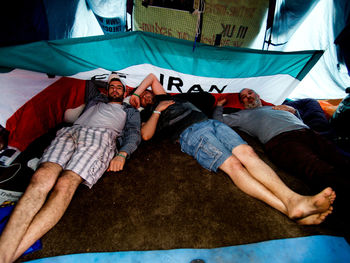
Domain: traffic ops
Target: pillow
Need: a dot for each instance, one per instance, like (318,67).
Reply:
(328,108)
(71,115)
(44,111)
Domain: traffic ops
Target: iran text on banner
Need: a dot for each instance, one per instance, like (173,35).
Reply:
(214,69)
(218,70)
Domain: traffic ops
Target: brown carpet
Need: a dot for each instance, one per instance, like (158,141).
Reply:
(163,199)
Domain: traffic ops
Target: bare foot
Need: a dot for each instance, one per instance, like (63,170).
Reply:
(305,206)
(315,219)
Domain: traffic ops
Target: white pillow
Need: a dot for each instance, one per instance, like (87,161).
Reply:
(71,115)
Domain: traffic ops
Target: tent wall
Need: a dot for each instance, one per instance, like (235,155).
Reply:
(300,25)
(318,27)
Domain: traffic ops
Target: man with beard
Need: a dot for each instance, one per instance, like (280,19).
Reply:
(291,144)
(79,154)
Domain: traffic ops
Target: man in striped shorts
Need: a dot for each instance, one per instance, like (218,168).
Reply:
(79,154)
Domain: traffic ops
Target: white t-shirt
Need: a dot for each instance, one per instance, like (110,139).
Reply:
(105,115)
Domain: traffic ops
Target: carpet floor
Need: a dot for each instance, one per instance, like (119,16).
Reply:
(164,199)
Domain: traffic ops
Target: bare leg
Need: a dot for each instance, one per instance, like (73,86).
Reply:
(28,206)
(244,181)
(52,211)
(298,206)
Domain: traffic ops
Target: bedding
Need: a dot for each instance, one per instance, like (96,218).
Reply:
(311,113)
(63,101)
(44,111)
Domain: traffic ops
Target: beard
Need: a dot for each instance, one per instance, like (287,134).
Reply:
(115,99)
(254,104)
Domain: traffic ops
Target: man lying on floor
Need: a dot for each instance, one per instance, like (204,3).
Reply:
(215,145)
(79,154)
(292,145)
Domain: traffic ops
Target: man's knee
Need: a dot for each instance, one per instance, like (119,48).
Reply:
(244,150)
(45,177)
(232,164)
(68,182)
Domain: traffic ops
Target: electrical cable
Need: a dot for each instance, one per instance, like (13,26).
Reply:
(19,168)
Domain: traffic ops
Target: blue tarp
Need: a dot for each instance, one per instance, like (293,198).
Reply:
(312,249)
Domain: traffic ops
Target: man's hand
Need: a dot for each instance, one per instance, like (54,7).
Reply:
(117,163)
(164,105)
(285,108)
(221,102)
(135,101)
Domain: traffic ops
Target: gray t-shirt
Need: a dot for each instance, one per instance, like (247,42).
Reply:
(104,115)
(262,122)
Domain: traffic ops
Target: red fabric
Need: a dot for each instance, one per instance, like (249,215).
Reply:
(232,100)
(44,111)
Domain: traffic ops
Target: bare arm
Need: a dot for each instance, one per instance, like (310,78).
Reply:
(150,81)
(117,163)
(289,109)
(148,128)
(285,108)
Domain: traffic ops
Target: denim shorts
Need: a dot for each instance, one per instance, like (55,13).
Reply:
(210,142)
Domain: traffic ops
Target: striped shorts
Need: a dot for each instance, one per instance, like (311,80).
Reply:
(84,150)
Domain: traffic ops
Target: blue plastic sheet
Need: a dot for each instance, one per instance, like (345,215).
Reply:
(5,213)
(305,249)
